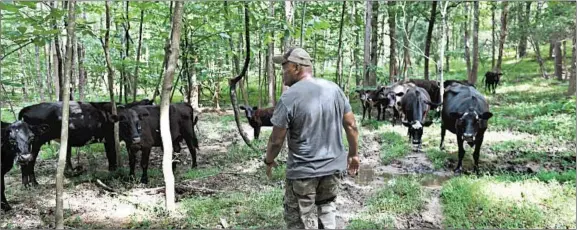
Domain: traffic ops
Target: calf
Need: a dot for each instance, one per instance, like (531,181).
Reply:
(258,117)
(491,80)
(182,122)
(465,113)
(415,104)
(16,139)
(384,98)
(89,122)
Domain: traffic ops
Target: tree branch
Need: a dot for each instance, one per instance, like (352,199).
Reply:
(20,47)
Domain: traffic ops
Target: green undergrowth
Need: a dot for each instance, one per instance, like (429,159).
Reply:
(393,146)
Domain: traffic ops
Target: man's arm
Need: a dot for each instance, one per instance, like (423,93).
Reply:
(275,143)
(352,132)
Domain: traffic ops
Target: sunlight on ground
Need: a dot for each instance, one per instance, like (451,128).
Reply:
(527,87)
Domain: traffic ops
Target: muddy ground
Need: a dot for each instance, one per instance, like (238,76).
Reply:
(88,205)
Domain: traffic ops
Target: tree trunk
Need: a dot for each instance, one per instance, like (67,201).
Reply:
(270,65)
(393,69)
(356,17)
(429,38)
(442,48)
(58,58)
(56,75)
(558,61)
(165,104)
(289,16)
(194,85)
(138,51)
(503,36)
(374,43)
(339,74)
(466,40)
(367,45)
(475,68)
(110,74)
(24,76)
(551,48)
(447,47)
(59,216)
(49,86)
(73,71)
(524,28)
(573,78)
(493,24)
(303,23)
(81,72)
(39,74)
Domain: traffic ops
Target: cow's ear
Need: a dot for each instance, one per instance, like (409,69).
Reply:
(427,123)
(242,107)
(255,108)
(455,115)
(486,115)
(400,94)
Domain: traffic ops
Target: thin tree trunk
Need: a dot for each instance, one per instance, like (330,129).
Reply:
(289,16)
(56,75)
(374,43)
(355,16)
(59,216)
(551,48)
(39,74)
(447,47)
(270,66)
(493,24)
(339,74)
(558,61)
(442,48)
(503,36)
(58,59)
(303,24)
(81,72)
(367,44)
(466,40)
(573,79)
(138,51)
(110,74)
(24,76)
(260,80)
(475,68)
(49,85)
(165,104)
(524,30)
(393,69)
(429,38)
(73,71)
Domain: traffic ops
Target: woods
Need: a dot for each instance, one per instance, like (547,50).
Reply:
(117,56)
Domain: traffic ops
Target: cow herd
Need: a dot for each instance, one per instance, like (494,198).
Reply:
(93,122)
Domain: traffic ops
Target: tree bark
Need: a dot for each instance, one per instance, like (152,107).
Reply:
(503,36)
(524,28)
(289,16)
(49,85)
(429,37)
(466,40)
(58,58)
(339,74)
(24,76)
(59,215)
(81,72)
(558,61)
(165,104)
(475,68)
(393,68)
(56,75)
(367,45)
(110,74)
(493,24)
(73,72)
(442,48)
(573,79)
(39,74)
(551,48)
(303,24)
(270,65)
(138,52)
(374,43)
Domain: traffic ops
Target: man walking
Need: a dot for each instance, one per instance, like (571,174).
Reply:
(312,113)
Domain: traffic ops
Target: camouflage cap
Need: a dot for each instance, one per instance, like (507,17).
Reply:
(296,55)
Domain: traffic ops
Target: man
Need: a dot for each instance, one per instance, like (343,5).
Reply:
(312,112)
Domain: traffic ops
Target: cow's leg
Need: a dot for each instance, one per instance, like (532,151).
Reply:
(364,111)
(370,108)
(132,159)
(5,205)
(461,153)
(144,164)
(110,154)
(256,133)
(478,143)
(443,131)
(68,165)
(28,175)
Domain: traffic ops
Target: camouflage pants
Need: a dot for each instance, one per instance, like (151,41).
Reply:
(303,195)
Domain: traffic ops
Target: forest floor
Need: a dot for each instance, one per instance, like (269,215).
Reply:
(527,176)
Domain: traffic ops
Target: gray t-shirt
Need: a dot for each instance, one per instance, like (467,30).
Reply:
(312,110)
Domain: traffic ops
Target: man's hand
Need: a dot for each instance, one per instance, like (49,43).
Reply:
(269,169)
(353,165)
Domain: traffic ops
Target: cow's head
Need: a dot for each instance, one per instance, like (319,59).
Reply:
(130,124)
(19,137)
(469,123)
(248,111)
(415,105)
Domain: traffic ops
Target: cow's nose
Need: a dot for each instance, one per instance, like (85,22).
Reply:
(467,135)
(136,140)
(24,158)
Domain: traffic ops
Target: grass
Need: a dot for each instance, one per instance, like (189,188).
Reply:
(240,210)
(393,146)
(401,196)
(199,173)
(498,202)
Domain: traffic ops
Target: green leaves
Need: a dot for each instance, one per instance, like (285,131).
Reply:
(10,7)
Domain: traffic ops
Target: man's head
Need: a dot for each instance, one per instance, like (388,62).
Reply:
(296,65)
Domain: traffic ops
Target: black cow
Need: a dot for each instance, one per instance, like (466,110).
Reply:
(141,102)
(182,122)
(258,117)
(448,83)
(415,104)
(491,80)
(366,101)
(15,145)
(466,114)
(89,122)
(432,87)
